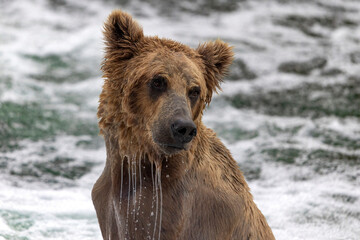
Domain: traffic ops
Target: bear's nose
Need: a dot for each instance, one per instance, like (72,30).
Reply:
(183,130)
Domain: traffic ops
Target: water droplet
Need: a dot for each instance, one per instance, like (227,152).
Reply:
(152,214)
(167,175)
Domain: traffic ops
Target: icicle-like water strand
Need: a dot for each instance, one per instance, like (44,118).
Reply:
(152,202)
(158,196)
(158,172)
(133,180)
(117,205)
(140,189)
(128,199)
(117,216)
(157,201)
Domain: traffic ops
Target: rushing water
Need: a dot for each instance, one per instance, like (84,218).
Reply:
(289,110)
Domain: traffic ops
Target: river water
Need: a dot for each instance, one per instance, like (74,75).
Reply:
(289,111)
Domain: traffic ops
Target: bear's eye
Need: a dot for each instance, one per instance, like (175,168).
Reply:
(158,83)
(194,93)
(157,86)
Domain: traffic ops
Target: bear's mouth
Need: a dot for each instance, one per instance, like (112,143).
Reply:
(171,148)
(175,147)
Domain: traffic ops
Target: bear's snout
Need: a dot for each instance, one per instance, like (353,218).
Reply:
(174,129)
(183,131)
(174,134)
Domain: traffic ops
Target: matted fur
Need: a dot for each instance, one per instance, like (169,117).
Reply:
(200,193)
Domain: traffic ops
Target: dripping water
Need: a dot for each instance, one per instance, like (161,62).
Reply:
(122,180)
(117,208)
(140,188)
(160,192)
(133,184)
(117,216)
(152,202)
(128,198)
(134,165)
(157,200)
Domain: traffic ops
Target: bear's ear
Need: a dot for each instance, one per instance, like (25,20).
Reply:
(217,57)
(122,35)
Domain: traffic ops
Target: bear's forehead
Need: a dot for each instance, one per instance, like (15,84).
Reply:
(175,64)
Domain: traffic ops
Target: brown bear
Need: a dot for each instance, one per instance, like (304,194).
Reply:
(166,176)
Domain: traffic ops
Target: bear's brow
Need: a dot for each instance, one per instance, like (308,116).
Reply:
(176,64)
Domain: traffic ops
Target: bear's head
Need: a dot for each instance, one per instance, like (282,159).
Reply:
(156,89)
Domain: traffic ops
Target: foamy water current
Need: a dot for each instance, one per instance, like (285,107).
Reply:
(289,111)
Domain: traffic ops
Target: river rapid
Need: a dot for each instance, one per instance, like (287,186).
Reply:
(289,110)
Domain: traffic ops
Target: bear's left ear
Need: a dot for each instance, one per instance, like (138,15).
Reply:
(217,57)
(122,35)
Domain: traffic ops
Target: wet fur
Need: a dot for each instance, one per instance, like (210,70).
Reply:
(203,193)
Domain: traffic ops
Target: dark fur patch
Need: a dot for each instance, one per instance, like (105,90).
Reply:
(157,86)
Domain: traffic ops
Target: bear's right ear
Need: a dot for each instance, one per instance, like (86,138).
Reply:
(217,57)
(122,35)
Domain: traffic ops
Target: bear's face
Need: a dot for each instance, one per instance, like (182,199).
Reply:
(168,97)
(158,87)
